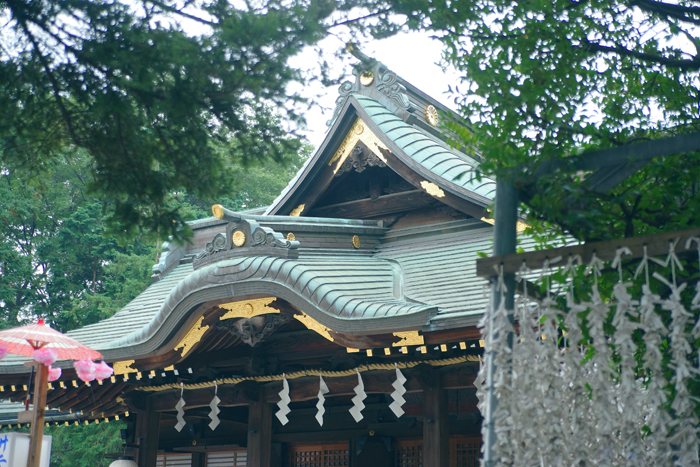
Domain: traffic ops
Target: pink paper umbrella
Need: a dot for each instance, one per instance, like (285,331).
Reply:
(44,344)
(24,339)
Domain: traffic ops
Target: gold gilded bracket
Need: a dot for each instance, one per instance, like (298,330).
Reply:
(314,325)
(124,367)
(296,212)
(519,225)
(432,189)
(248,308)
(192,337)
(358,132)
(408,338)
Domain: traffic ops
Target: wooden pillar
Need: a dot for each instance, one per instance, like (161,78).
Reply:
(147,431)
(198,459)
(259,433)
(40,387)
(436,440)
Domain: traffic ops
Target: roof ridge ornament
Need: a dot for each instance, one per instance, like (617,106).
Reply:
(244,237)
(373,79)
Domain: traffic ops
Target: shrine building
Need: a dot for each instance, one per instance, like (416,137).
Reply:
(354,297)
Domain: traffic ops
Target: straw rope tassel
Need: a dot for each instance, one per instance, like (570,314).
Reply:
(214,404)
(283,404)
(180,412)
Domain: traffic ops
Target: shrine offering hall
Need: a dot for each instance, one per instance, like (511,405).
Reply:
(336,327)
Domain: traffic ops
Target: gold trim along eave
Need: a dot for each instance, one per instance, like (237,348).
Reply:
(193,336)
(248,308)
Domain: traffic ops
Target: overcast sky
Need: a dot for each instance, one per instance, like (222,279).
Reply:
(412,56)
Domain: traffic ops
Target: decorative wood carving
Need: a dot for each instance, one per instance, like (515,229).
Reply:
(358,160)
(246,237)
(358,132)
(256,329)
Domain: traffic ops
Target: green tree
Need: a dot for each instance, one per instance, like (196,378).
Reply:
(57,258)
(545,80)
(81,445)
(156,108)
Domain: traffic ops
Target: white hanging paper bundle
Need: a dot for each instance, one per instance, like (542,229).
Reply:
(567,379)
(399,391)
(180,412)
(360,395)
(323,389)
(283,404)
(214,404)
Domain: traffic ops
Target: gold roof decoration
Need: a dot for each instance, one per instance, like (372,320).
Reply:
(238,238)
(366,78)
(431,115)
(432,189)
(296,212)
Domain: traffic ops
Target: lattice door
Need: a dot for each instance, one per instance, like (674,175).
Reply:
(174,460)
(227,459)
(408,453)
(465,452)
(319,455)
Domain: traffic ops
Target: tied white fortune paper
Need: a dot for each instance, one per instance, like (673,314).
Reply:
(323,389)
(180,412)
(283,404)
(358,405)
(399,391)
(214,404)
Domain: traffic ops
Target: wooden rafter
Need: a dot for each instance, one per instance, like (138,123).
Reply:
(656,245)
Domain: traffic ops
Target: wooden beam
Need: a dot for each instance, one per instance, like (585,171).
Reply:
(259,433)
(230,396)
(147,430)
(452,335)
(387,204)
(435,428)
(657,245)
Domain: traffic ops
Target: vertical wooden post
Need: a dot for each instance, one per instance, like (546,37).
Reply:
(147,431)
(259,433)
(39,400)
(436,441)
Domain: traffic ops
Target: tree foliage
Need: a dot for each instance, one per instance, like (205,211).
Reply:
(57,259)
(161,95)
(547,80)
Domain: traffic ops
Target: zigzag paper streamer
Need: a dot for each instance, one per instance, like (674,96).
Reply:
(399,391)
(283,404)
(322,389)
(358,405)
(180,413)
(214,404)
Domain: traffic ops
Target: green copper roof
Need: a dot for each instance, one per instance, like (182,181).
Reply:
(432,155)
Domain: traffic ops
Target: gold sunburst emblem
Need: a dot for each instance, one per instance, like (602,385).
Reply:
(366,78)
(431,115)
(291,237)
(238,238)
(356,241)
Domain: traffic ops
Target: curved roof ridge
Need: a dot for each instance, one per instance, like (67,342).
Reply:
(302,283)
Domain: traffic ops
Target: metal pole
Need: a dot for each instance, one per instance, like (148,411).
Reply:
(504,242)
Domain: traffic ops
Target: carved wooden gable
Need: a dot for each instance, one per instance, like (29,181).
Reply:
(384,155)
